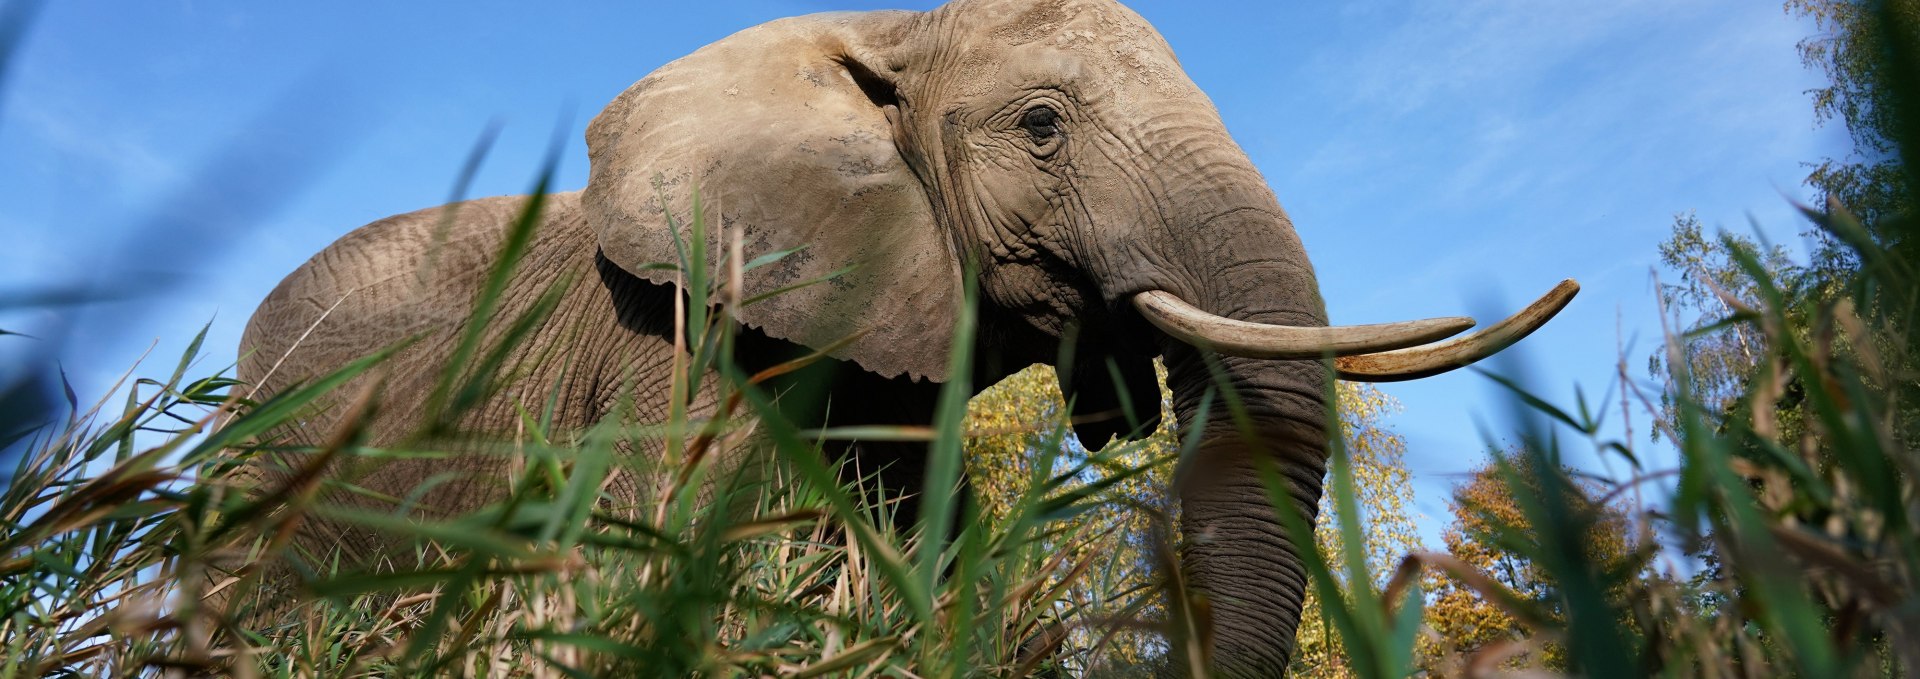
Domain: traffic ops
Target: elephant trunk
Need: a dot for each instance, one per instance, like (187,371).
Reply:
(1250,294)
(1228,285)
(1234,551)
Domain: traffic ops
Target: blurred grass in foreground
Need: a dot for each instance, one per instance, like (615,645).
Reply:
(118,525)
(1795,489)
(113,550)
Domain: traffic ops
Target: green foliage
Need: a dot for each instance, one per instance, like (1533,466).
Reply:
(127,547)
(1492,533)
(1851,49)
(1383,496)
(1720,357)
(1810,539)
(1018,432)
(129,553)
(1788,388)
(1375,628)
(1013,423)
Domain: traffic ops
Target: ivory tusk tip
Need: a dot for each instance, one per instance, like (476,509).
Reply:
(1456,324)
(1232,337)
(1433,359)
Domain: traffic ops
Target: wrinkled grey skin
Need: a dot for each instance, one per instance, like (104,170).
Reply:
(904,143)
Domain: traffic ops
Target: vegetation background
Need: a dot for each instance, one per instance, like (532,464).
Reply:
(217,146)
(1782,540)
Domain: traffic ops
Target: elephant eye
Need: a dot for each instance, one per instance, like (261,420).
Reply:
(1041,122)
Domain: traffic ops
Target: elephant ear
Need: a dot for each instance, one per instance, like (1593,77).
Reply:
(784,130)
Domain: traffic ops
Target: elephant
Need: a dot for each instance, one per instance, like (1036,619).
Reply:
(1051,150)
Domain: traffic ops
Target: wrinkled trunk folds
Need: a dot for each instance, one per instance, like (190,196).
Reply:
(1234,551)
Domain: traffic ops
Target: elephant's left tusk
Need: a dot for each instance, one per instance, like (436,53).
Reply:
(1433,359)
(1189,324)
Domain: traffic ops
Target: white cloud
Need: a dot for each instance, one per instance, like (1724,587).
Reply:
(70,134)
(1476,48)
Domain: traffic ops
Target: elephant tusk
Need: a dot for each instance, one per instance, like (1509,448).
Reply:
(1433,359)
(1189,324)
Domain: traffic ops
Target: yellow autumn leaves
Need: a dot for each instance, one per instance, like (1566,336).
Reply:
(1016,420)
(1023,414)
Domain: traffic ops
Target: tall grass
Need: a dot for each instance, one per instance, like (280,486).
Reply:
(126,547)
(128,551)
(1805,544)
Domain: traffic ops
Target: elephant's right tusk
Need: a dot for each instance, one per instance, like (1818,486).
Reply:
(1189,324)
(1426,361)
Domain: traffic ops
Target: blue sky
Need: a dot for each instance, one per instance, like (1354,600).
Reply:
(1437,157)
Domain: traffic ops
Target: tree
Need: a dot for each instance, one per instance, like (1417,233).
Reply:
(1486,534)
(1850,51)
(1786,362)
(1012,427)
(1720,358)
(1016,420)
(1386,499)
(1870,53)
(1732,294)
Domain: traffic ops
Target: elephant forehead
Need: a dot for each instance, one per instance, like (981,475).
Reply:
(1019,22)
(1095,42)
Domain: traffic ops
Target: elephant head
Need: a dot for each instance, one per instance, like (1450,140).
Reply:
(1057,147)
